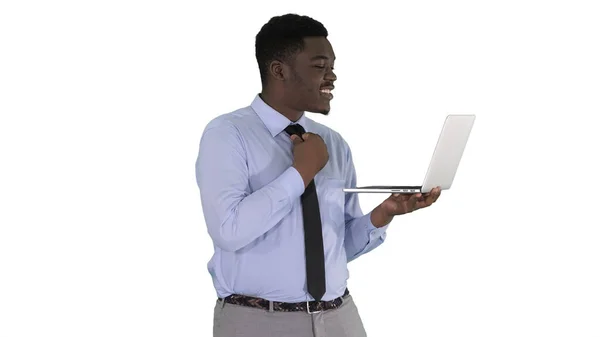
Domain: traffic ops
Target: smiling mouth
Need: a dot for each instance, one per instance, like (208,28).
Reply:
(326,93)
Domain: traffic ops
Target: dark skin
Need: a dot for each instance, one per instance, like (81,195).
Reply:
(301,85)
(294,87)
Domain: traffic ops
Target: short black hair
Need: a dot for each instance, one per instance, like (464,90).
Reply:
(283,37)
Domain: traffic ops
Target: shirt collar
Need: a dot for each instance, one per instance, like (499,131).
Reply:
(273,120)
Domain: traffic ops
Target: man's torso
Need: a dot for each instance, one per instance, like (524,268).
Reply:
(273,265)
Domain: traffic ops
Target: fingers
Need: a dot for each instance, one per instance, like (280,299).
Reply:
(307,135)
(405,203)
(412,203)
(430,198)
(435,193)
(295,139)
(406,196)
(428,201)
(408,202)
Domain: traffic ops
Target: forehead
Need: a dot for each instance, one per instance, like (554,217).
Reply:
(317,48)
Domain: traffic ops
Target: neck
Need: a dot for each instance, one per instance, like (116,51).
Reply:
(278,105)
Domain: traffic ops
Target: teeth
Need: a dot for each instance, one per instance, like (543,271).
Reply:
(326,91)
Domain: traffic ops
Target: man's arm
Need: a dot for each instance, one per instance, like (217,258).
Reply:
(234,216)
(362,236)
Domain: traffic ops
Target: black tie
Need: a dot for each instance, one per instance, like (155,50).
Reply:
(313,234)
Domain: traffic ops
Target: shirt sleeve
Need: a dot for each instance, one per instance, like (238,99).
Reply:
(234,216)
(361,235)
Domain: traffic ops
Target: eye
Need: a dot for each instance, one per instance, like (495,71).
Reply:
(320,66)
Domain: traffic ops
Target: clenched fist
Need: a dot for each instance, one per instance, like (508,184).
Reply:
(310,155)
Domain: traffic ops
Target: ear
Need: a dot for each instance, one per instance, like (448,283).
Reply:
(278,70)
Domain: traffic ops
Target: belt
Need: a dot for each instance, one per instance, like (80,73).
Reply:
(309,306)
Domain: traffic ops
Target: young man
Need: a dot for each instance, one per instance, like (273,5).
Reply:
(271,181)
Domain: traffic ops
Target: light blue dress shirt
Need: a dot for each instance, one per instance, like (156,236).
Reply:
(250,196)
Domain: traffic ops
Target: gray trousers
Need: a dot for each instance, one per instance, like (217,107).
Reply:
(232,320)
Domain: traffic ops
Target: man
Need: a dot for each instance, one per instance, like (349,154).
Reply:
(271,182)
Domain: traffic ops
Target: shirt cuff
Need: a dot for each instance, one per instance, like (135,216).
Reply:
(375,232)
(292,182)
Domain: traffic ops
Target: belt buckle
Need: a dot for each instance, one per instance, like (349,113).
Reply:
(308,309)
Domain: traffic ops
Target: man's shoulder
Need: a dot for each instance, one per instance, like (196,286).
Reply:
(231,121)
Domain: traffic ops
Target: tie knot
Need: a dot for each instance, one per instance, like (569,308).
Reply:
(295,129)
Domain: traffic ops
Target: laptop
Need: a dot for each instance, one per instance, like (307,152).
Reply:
(444,162)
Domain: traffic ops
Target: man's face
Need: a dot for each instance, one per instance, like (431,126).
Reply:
(312,77)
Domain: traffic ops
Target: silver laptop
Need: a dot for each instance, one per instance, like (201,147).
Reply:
(444,162)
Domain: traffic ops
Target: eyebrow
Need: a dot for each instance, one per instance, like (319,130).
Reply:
(320,57)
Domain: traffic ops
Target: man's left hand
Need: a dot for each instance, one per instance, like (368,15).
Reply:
(398,204)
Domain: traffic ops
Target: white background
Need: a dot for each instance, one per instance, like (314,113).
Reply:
(103,104)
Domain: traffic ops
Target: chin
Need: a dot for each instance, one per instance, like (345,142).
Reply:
(321,109)
(325,110)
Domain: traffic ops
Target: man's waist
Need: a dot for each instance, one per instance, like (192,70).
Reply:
(284,295)
(275,282)
(305,306)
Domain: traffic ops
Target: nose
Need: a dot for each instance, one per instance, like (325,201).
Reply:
(330,75)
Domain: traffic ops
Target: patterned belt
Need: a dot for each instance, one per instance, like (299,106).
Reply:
(309,306)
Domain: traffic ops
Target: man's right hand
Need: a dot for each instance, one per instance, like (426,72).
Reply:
(310,155)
